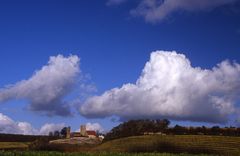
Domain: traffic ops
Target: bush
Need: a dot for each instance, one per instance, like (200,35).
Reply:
(40,144)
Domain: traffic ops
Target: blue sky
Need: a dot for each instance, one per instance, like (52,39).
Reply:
(113,44)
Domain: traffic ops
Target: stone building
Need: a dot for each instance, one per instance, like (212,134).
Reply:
(82,133)
(68,135)
(83,130)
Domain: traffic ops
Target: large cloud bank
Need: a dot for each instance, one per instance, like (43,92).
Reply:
(157,10)
(7,125)
(46,89)
(170,87)
(50,127)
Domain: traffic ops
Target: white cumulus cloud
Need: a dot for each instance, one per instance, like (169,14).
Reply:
(50,127)
(26,128)
(9,126)
(94,127)
(170,87)
(47,87)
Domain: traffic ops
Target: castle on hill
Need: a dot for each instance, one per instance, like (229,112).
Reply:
(82,133)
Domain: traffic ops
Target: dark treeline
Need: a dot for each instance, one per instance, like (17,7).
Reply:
(148,127)
(215,130)
(137,127)
(23,138)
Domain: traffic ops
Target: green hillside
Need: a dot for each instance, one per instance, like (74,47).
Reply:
(174,144)
(194,144)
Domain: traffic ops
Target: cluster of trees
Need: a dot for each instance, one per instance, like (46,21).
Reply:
(139,127)
(215,130)
(61,133)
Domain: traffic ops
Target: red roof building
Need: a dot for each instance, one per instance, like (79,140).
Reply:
(91,133)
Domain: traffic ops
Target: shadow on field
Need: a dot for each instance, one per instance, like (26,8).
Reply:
(170,148)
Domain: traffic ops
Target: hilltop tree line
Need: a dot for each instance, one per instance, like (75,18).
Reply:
(137,127)
(141,127)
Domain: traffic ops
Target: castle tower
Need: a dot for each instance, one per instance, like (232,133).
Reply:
(83,130)
(68,133)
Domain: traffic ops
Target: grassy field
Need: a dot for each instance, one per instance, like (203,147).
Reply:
(175,144)
(194,144)
(9,153)
(13,145)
